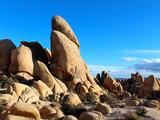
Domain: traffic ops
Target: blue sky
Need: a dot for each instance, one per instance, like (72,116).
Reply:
(119,36)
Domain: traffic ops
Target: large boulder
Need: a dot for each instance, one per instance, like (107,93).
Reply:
(6,46)
(23,92)
(24,109)
(42,88)
(111,84)
(67,64)
(46,112)
(17,117)
(21,60)
(49,55)
(72,98)
(59,24)
(90,115)
(103,108)
(41,71)
(150,84)
(69,117)
(37,51)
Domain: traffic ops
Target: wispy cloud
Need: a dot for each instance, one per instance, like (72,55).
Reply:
(130,58)
(140,51)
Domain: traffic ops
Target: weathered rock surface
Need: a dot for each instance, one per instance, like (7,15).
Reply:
(90,115)
(41,71)
(24,109)
(133,103)
(6,46)
(37,51)
(72,98)
(47,112)
(150,84)
(67,64)
(111,84)
(23,92)
(151,103)
(103,108)
(42,88)
(69,117)
(49,55)
(59,24)
(17,117)
(23,76)
(21,60)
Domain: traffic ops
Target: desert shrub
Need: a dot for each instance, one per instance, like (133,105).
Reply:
(134,96)
(70,109)
(88,98)
(109,99)
(3,103)
(7,81)
(131,116)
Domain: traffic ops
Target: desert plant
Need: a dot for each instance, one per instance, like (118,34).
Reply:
(88,98)
(3,103)
(7,81)
(70,109)
(109,99)
(131,116)
(134,96)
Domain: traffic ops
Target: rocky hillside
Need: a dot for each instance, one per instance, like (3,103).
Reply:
(37,83)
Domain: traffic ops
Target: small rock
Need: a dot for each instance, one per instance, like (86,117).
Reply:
(103,108)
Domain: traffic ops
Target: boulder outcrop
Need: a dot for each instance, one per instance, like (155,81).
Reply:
(21,60)
(150,84)
(67,64)
(6,46)
(41,71)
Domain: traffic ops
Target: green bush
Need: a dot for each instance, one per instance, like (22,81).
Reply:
(131,116)
(88,98)
(109,99)
(3,103)
(70,109)
(134,96)
(7,81)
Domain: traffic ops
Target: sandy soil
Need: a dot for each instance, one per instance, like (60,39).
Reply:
(119,113)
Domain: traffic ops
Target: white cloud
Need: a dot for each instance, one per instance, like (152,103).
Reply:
(125,72)
(152,65)
(114,71)
(141,51)
(130,58)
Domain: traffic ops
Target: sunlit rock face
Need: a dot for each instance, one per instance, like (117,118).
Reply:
(67,64)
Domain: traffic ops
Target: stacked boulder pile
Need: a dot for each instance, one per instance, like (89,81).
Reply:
(36,83)
(42,75)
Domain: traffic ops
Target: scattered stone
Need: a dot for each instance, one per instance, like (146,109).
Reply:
(103,108)
(133,103)
(151,103)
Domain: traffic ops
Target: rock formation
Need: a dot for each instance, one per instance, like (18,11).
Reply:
(6,46)
(67,64)
(110,83)
(39,84)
